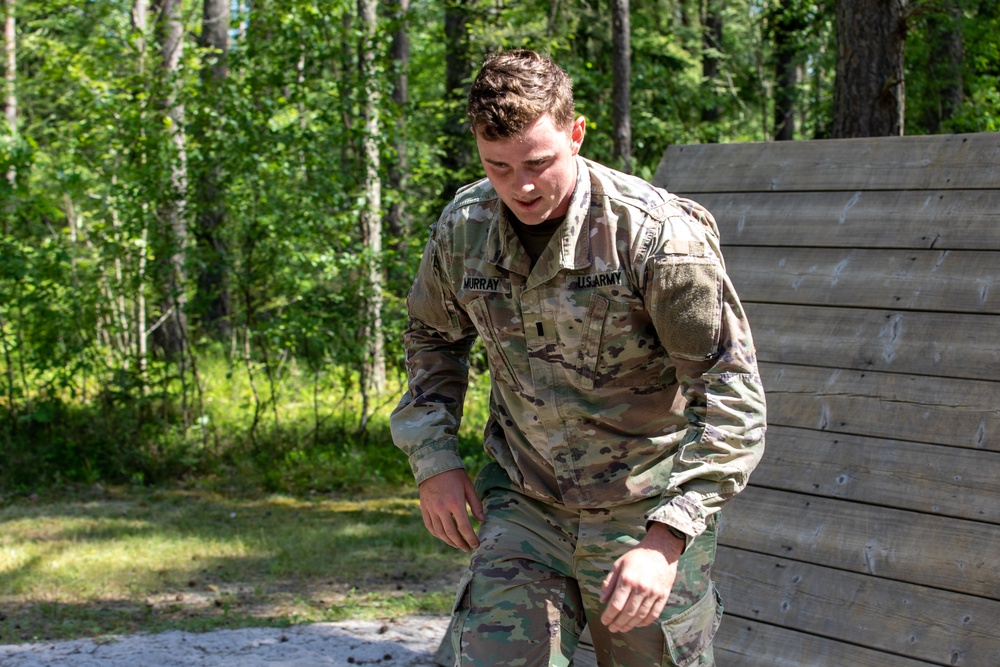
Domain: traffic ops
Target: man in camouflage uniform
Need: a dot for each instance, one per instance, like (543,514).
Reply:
(626,406)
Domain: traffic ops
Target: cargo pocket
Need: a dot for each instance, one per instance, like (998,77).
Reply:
(459,614)
(691,632)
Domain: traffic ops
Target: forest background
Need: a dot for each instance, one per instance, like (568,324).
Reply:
(212,209)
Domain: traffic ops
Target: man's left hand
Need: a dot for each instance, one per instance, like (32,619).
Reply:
(638,586)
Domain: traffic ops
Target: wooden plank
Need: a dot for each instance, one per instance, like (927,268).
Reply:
(925,220)
(942,344)
(940,552)
(950,281)
(947,481)
(966,161)
(959,413)
(921,623)
(742,642)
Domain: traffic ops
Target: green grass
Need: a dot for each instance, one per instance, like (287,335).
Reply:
(124,560)
(115,518)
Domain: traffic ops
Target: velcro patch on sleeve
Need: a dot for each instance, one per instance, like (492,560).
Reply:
(427,300)
(686,306)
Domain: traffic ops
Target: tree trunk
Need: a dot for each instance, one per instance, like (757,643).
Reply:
(786,23)
(397,169)
(172,332)
(10,99)
(553,23)
(140,20)
(458,144)
(868,94)
(140,17)
(711,47)
(947,53)
(214,298)
(371,222)
(10,113)
(10,69)
(621,67)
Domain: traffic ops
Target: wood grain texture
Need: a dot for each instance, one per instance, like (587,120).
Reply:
(947,481)
(958,413)
(918,220)
(940,552)
(918,622)
(965,162)
(870,271)
(921,343)
(742,642)
(956,281)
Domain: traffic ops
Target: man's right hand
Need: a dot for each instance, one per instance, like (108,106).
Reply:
(443,500)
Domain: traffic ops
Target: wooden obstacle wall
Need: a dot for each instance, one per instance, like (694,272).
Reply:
(870,270)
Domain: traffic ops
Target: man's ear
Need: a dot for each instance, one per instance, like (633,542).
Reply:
(577,133)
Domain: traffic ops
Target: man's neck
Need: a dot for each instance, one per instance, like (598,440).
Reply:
(534,238)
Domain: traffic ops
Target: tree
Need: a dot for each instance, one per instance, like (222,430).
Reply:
(215,302)
(786,23)
(939,92)
(457,140)
(869,97)
(10,85)
(397,169)
(711,52)
(138,22)
(173,239)
(373,370)
(622,75)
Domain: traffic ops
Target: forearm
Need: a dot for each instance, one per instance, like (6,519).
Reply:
(425,423)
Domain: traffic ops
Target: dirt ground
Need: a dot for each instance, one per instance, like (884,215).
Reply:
(406,642)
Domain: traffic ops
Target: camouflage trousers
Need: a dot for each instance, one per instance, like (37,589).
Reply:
(534,584)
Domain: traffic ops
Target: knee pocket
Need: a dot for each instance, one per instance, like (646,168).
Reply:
(690,633)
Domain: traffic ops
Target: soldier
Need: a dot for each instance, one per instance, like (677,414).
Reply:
(626,407)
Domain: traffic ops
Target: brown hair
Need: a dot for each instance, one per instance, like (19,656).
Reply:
(513,89)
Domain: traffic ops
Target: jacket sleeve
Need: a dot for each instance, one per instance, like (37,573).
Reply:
(437,342)
(701,323)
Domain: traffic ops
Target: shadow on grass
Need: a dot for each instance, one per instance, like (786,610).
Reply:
(125,561)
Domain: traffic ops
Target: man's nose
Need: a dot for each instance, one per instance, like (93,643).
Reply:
(525,183)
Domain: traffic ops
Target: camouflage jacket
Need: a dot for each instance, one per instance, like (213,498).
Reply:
(622,365)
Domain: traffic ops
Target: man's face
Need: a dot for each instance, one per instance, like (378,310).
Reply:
(535,172)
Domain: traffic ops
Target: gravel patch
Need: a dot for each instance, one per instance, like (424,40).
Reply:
(405,642)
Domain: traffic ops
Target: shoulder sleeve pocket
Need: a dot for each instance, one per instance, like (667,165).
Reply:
(685,303)
(429,300)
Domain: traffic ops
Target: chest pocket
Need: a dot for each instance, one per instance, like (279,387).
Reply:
(494,341)
(619,346)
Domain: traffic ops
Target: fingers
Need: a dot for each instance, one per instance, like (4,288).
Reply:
(634,593)
(630,608)
(474,503)
(443,500)
(452,528)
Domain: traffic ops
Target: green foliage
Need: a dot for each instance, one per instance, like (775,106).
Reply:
(971,64)
(306,439)
(90,389)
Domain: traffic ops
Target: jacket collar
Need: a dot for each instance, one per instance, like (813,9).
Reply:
(569,247)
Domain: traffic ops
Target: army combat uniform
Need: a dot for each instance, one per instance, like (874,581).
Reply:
(624,390)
